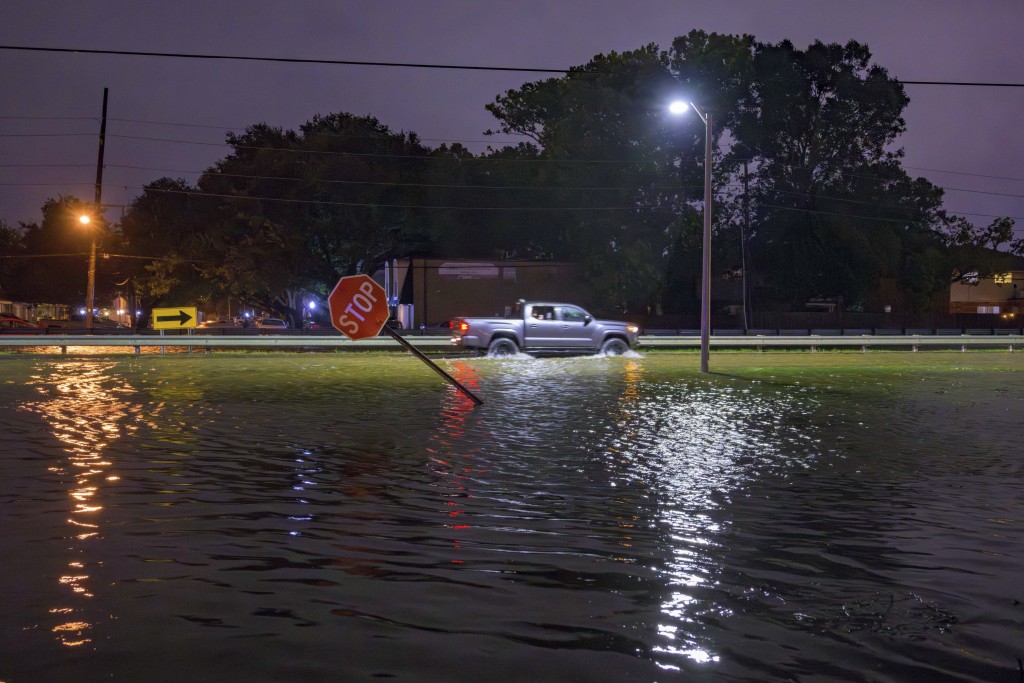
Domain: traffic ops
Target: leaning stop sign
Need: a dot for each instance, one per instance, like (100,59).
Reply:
(359,306)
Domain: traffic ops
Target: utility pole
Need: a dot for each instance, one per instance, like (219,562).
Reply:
(90,296)
(744,231)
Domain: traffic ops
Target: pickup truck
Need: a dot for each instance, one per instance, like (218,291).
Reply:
(544,328)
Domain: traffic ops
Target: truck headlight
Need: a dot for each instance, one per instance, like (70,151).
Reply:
(632,329)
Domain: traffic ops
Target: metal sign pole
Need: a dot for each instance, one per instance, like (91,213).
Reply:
(416,352)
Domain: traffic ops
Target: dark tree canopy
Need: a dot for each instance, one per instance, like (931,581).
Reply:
(52,255)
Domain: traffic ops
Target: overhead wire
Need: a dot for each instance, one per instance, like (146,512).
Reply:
(428,157)
(497,187)
(379,205)
(403,65)
(412,156)
(548,188)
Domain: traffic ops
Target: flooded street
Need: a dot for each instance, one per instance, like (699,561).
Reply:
(346,517)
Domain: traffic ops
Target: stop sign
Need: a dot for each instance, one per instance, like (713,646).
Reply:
(359,306)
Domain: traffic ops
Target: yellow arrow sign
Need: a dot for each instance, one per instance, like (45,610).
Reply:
(175,318)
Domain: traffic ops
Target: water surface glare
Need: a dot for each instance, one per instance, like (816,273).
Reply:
(343,517)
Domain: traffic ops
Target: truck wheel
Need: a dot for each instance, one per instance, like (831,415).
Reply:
(614,347)
(502,348)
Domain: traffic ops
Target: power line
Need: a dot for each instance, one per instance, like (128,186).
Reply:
(107,255)
(374,154)
(876,218)
(423,157)
(377,205)
(235,128)
(48,118)
(493,187)
(42,255)
(472,187)
(347,135)
(403,65)
(286,60)
(513,208)
(849,175)
(975,175)
(220,174)
(428,156)
(46,135)
(976,84)
(47,165)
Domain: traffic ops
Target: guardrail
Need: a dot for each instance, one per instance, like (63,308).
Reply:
(813,342)
(208,342)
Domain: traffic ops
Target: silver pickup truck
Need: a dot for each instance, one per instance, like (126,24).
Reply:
(544,328)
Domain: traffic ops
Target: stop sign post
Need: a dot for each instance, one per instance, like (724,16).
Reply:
(359,309)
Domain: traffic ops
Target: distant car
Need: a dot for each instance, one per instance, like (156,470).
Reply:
(12,324)
(77,322)
(271,324)
(217,323)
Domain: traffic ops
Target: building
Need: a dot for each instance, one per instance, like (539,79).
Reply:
(33,312)
(999,294)
(428,292)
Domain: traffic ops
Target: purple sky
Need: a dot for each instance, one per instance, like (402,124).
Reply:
(955,137)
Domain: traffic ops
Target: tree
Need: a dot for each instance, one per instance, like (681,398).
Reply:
(168,230)
(603,150)
(975,251)
(817,127)
(285,214)
(300,210)
(11,249)
(56,252)
(828,192)
(496,204)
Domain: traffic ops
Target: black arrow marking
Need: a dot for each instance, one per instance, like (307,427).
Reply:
(182,318)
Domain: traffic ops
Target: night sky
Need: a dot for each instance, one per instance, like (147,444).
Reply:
(965,139)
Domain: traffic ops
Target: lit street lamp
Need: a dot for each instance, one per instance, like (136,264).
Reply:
(90,292)
(680,107)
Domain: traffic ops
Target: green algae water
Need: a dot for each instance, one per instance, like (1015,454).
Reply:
(341,517)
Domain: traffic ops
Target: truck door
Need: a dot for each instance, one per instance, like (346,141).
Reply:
(574,332)
(543,328)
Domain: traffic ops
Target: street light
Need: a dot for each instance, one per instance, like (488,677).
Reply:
(90,293)
(679,107)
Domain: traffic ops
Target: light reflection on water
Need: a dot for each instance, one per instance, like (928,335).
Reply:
(696,444)
(597,519)
(86,408)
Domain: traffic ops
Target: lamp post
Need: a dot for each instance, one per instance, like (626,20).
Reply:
(90,292)
(680,107)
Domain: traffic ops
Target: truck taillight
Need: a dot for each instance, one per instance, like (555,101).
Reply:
(463,327)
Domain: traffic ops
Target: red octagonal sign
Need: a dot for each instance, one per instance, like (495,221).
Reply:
(359,306)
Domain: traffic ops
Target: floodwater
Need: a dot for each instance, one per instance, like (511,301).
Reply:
(343,517)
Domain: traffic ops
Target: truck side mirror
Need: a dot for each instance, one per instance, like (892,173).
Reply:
(587,319)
